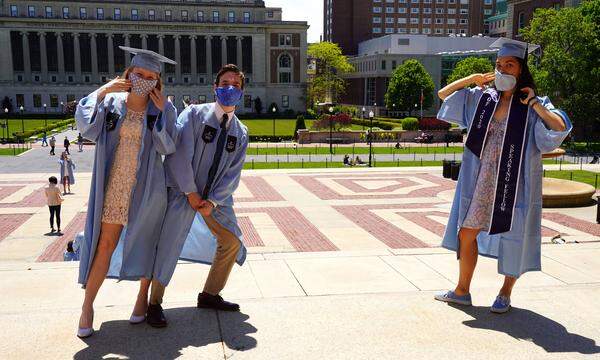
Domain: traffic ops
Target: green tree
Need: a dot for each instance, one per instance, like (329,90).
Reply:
(569,68)
(331,65)
(300,124)
(404,90)
(469,66)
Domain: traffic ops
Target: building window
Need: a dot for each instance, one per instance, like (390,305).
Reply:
(389,20)
(464,2)
(48,11)
(439,21)
(464,11)
(186,99)
(377,20)
(427,21)
(389,30)
(487,2)
(86,78)
(37,100)
(427,11)
(83,13)
(285,68)
(151,15)
(451,11)
(70,78)
(269,14)
(246,17)
(389,10)
(184,15)
(285,40)
(14,11)
(426,31)
(201,99)
(65,11)
(215,17)
(100,13)
(117,14)
(200,16)
(414,31)
(53,78)
(231,17)
(248,101)
(451,21)
(285,101)
(36,78)
(168,15)
(376,30)
(53,100)
(521,22)
(414,20)
(451,1)
(463,21)
(383,64)
(450,31)
(402,10)
(487,12)
(377,9)
(401,20)
(439,10)
(134,14)
(402,31)
(31,11)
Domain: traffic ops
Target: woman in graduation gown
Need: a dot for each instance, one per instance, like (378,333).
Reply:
(497,206)
(132,124)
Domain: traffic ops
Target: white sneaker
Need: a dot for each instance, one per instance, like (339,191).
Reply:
(85,332)
(135,319)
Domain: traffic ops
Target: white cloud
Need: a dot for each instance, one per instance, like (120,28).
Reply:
(310,11)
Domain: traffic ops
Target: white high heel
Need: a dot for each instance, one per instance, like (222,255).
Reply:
(83,333)
(135,319)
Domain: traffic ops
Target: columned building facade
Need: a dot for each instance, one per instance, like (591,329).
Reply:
(54,52)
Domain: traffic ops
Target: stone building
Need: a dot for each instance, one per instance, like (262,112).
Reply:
(54,52)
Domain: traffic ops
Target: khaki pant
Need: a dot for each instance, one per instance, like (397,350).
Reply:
(228,246)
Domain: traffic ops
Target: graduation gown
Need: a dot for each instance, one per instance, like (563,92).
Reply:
(70,167)
(185,234)
(518,250)
(100,121)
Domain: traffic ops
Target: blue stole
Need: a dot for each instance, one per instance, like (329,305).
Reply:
(509,166)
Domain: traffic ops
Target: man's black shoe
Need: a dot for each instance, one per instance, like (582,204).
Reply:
(155,316)
(208,301)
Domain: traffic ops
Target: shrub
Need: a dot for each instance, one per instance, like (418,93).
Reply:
(410,123)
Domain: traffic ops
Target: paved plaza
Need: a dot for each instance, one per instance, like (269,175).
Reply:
(343,264)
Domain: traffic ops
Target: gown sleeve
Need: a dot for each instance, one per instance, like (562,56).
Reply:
(165,130)
(179,163)
(456,107)
(548,139)
(222,193)
(91,114)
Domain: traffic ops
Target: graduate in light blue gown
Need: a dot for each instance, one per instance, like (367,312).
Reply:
(133,125)
(497,206)
(200,224)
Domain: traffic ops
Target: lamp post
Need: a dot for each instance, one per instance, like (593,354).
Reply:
(363,117)
(370,137)
(273,111)
(5,132)
(330,129)
(22,122)
(45,117)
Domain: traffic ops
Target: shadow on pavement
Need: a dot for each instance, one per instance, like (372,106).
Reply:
(188,327)
(527,325)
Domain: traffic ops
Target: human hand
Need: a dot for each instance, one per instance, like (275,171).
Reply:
(482,79)
(115,85)
(206,208)
(530,95)
(195,200)
(158,99)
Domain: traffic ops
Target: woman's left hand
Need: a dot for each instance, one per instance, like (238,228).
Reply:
(158,99)
(530,95)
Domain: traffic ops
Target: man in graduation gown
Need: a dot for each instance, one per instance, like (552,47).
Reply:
(200,224)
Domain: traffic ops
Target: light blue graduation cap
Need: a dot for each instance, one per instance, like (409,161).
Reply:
(510,47)
(147,59)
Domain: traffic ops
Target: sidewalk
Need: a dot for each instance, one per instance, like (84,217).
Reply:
(342,305)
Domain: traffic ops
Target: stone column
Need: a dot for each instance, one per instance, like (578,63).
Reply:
(193,57)
(111,55)
(127,55)
(77,56)
(144,41)
(161,44)
(209,59)
(223,50)
(61,56)
(177,59)
(26,59)
(239,52)
(43,56)
(94,52)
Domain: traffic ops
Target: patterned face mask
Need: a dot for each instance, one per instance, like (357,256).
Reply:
(141,86)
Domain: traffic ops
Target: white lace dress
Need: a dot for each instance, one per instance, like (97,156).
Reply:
(123,172)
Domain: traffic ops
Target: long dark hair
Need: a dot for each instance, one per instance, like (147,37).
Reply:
(525,79)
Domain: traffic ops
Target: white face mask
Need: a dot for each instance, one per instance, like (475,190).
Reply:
(141,86)
(504,82)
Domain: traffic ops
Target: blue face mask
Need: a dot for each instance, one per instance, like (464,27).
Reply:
(229,95)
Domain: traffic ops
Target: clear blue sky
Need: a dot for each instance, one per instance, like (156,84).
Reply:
(310,11)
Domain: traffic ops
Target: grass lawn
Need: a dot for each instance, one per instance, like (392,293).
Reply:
(11,152)
(583,176)
(318,165)
(283,127)
(323,149)
(14,125)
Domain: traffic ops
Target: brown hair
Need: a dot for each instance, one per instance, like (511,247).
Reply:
(230,68)
(159,84)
